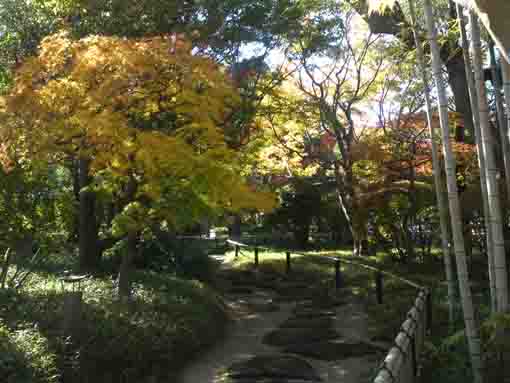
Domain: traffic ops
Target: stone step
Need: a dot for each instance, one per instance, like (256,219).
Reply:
(308,322)
(272,369)
(285,337)
(330,350)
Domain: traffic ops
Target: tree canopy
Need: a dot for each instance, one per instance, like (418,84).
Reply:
(145,111)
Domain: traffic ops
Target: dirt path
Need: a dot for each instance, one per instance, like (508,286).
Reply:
(261,316)
(243,339)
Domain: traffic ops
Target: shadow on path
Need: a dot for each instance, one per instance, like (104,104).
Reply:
(284,331)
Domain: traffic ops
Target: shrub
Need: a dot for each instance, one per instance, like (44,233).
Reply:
(193,260)
(25,356)
(169,321)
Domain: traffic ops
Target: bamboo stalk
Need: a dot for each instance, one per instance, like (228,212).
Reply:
(5,267)
(492,171)
(502,122)
(436,166)
(453,199)
(473,98)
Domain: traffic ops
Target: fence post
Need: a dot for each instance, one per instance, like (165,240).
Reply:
(338,274)
(256,257)
(429,309)
(414,356)
(287,269)
(73,302)
(237,251)
(379,287)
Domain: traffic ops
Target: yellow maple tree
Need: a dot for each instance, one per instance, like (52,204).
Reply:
(147,112)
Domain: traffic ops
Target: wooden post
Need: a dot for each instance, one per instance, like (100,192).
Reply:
(287,269)
(237,251)
(414,356)
(338,274)
(429,310)
(256,257)
(379,287)
(72,312)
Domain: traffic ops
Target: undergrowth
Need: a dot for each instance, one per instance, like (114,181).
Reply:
(169,321)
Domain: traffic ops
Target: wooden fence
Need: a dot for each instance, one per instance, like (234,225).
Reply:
(402,362)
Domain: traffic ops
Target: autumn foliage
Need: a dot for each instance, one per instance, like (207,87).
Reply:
(147,112)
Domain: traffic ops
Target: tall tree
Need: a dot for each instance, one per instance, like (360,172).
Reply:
(217,28)
(335,89)
(148,114)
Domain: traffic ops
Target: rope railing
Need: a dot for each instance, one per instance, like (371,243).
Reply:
(402,362)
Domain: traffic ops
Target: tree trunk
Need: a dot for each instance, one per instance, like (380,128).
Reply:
(125,267)
(480,153)
(357,248)
(453,199)
(492,172)
(235,231)
(436,165)
(345,195)
(301,234)
(458,84)
(74,169)
(205,227)
(88,233)
(410,226)
(110,213)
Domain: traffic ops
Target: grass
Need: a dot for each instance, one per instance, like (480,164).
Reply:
(169,321)
(314,269)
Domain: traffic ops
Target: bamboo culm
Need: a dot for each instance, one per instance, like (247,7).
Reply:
(442,206)
(454,204)
(493,194)
(473,97)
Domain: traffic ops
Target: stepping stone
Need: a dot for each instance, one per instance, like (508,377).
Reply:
(322,303)
(285,337)
(300,312)
(241,290)
(264,306)
(330,350)
(310,322)
(273,369)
